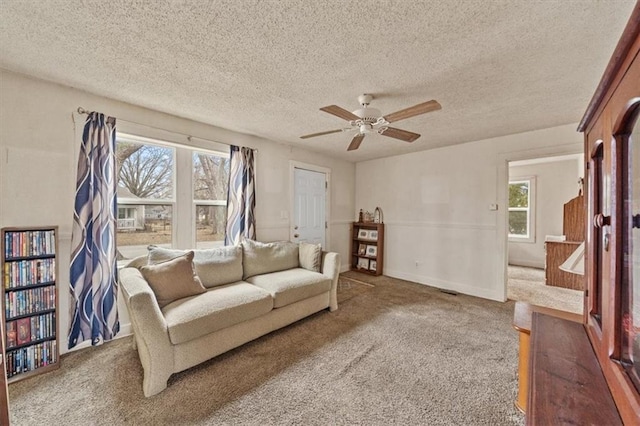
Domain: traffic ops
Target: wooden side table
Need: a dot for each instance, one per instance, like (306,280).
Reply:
(522,322)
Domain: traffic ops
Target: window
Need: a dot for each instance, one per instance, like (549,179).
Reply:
(522,210)
(146,179)
(153,176)
(210,187)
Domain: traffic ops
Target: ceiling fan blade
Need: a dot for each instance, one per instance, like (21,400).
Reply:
(404,135)
(355,143)
(422,108)
(313,135)
(340,112)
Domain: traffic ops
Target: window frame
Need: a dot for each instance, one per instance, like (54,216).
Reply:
(183,205)
(530,209)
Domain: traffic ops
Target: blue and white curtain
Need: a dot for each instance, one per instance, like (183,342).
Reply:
(241,199)
(93,274)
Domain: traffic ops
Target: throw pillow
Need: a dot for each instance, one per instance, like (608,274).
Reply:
(310,256)
(173,279)
(261,258)
(216,266)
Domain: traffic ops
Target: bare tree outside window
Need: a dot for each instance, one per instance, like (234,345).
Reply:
(145,196)
(147,171)
(210,187)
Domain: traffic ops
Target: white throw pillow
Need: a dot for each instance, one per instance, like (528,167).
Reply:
(310,256)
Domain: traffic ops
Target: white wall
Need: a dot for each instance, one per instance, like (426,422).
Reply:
(439,228)
(38,165)
(556,183)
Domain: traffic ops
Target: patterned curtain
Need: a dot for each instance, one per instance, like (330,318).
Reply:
(93,273)
(241,200)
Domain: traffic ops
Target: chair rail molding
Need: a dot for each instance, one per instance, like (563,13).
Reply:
(443,225)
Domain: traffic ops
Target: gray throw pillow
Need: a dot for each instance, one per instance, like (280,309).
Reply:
(310,256)
(173,279)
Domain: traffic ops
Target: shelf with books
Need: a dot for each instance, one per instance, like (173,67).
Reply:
(29,300)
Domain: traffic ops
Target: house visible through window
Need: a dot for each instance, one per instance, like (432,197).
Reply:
(150,174)
(521,210)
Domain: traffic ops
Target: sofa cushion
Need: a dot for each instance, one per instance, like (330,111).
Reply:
(173,279)
(262,258)
(292,285)
(217,266)
(310,256)
(217,308)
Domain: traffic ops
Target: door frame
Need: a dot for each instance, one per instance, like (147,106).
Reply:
(327,200)
(504,159)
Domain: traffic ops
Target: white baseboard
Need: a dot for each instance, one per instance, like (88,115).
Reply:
(527,263)
(125,330)
(448,285)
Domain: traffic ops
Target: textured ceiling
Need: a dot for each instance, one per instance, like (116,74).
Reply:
(266,67)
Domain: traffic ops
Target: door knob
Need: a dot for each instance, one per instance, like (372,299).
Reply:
(296,235)
(295,227)
(600,220)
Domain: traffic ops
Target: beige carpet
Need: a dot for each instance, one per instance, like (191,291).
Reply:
(351,286)
(528,285)
(395,353)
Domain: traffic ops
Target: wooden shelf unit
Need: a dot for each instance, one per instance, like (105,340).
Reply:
(367,252)
(4,389)
(30,300)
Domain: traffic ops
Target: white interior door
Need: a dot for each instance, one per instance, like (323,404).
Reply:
(309,198)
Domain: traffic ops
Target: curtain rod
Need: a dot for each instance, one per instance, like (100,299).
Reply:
(189,137)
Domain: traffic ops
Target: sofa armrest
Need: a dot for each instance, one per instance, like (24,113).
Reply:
(331,269)
(150,330)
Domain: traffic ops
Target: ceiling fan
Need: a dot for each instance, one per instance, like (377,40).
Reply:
(370,120)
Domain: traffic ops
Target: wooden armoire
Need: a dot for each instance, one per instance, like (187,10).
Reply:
(611,127)
(594,378)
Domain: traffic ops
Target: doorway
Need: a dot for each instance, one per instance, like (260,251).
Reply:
(537,192)
(309,206)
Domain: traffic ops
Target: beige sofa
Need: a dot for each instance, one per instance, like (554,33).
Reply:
(249,290)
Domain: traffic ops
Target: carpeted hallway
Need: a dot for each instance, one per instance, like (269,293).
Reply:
(394,353)
(528,285)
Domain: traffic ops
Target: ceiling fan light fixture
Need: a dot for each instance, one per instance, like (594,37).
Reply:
(366,128)
(370,115)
